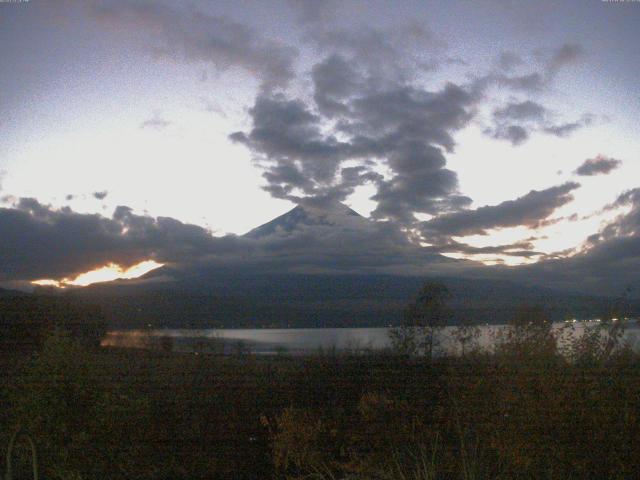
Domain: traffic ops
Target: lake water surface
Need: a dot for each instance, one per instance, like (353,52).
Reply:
(308,340)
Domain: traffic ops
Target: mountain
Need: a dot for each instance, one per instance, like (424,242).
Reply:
(333,215)
(280,281)
(302,300)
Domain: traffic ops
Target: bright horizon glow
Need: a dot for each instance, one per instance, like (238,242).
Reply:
(107,273)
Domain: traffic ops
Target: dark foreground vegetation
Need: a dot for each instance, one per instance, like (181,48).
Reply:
(524,411)
(532,408)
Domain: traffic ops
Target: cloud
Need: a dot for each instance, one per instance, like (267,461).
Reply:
(288,141)
(521,111)
(562,130)
(508,61)
(531,82)
(420,184)
(39,241)
(600,165)
(188,34)
(627,224)
(608,263)
(567,54)
(156,122)
(100,195)
(514,134)
(519,249)
(515,122)
(530,211)
(334,79)
(403,129)
(553,61)
(211,106)
(389,55)
(565,129)
(366,113)
(313,11)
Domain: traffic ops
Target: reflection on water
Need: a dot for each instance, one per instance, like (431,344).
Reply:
(308,340)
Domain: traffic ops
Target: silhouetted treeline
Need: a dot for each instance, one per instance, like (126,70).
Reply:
(26,320)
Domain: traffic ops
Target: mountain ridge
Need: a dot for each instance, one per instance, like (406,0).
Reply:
(241,292)
(333,215)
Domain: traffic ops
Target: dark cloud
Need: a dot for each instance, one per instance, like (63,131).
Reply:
(562,130)
(516,121)
(521,111)
(408,129)
(600,165)
(525,114)
(414,113)
(565,129)
(627,224)
(388,56)
(514,134)
(288,142)
(404,129)
(420,184)
(41,242)
(609,262)
(38,241)
(523,249)
(100,195)
(529,210)
(335,80)
(533,82)
(191,35)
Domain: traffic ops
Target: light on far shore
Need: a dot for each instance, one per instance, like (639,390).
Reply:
(107,273)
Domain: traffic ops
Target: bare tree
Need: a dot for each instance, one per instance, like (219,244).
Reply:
(466,334)
(422,320)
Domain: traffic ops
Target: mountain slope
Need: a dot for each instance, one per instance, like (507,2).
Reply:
(334,215)
(279,280)
(298,300)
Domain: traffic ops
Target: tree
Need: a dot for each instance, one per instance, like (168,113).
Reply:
(466,334)
(528,335)
(27,321)
(422,320)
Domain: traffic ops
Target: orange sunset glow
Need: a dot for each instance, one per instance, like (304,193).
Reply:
(106,273)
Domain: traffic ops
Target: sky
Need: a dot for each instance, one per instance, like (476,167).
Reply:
(499,132)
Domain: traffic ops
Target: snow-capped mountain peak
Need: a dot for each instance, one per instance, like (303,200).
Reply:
(333,215)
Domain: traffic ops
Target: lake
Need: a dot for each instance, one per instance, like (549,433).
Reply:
(307,340)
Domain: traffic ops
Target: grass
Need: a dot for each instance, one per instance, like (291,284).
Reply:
(519,413)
